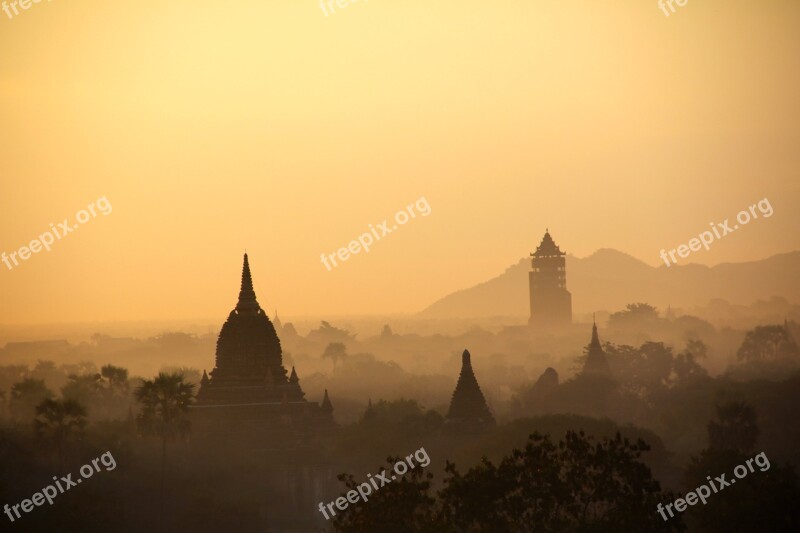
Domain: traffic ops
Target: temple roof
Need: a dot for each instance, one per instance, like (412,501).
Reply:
(547,247)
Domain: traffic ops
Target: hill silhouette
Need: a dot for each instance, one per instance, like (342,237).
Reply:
(609,279)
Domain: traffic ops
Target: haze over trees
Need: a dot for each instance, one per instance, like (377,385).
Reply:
(668,411)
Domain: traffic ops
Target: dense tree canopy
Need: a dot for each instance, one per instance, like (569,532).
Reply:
(575,485)
(767,343)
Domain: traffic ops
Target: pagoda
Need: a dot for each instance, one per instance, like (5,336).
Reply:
(248,394)
(251,417)
(468,409)
(551,302)
(596,364)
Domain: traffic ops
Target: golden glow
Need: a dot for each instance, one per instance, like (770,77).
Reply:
(213,126)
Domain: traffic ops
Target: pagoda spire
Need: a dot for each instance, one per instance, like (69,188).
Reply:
(247,296)
(468,403)
(369,413)
(595,337)
(596,362)
(327,406)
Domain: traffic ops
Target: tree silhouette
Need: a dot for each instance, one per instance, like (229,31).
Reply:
(164,403)
(767,342)
(57,421)
(764,500)
(575,485)
(736,428)
(404,505)
(25,396)
(634,314)
(86,389)
(641,371)
(686,368)
(335,351)
(116,376)
(329,333)
(117,397)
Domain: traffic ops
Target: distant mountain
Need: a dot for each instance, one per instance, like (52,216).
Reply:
(609,280)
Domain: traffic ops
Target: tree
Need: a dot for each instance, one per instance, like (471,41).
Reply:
(329,333)
(404,505)
(767,342)
(11,374)
(117,378)
(575,485)
(765,499)
(656,364)
(736,428)
(190,374)
(697,348)
(643,370)
(49,373)
(25,396)
(685,365)
(58,421)
(164,403)
(117,398)
(634,315)
(86,390)
(335,351)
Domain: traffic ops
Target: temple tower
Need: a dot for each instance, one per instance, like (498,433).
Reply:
(252,417)
(468,408)
(248,393)
(551,302)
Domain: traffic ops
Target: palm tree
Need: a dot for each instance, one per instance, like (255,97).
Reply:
(25,396)
(117,377)
(57,421)
(86,389)
(335,351)
(117,393)
(165,403)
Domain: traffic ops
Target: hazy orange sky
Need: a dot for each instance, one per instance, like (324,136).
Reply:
(212,127)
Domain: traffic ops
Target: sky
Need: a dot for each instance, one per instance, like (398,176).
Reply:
(211,128)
